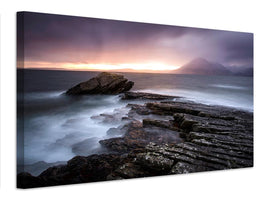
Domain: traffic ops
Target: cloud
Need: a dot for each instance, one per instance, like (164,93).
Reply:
(56,38)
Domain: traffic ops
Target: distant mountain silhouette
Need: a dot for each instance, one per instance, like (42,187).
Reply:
(202,66)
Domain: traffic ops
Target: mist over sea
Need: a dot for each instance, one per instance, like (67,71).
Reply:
(58,127)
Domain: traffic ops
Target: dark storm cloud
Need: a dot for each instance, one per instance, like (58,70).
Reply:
(55,38)
(238,48)
(45,34)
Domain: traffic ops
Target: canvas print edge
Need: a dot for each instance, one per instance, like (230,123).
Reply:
(214,137)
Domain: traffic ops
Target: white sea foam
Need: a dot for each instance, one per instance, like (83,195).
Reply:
(42,95)
(52,135)
(229,87)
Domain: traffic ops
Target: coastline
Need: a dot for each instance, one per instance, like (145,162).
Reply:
(161,137)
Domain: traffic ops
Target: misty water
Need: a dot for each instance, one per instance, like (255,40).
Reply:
(56,127)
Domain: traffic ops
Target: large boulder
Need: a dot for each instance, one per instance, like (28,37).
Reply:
(104,83)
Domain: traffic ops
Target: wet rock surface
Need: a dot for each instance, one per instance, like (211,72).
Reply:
(162,138)
(104,83)
(145,96)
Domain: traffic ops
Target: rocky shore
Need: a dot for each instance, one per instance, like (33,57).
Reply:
(161,137)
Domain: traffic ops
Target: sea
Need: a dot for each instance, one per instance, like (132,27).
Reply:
(54,127)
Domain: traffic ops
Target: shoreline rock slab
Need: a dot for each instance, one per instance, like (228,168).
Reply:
(146,96)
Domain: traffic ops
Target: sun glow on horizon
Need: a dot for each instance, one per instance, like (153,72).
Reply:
(142,67)
(125,66)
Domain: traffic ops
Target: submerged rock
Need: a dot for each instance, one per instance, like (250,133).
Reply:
(104,83)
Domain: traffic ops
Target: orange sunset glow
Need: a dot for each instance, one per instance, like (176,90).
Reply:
(153,67)
(135,66)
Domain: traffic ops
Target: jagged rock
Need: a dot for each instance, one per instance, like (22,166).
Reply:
(157,123)
(165,108)
(26,180)
(36,168)
(154,161)
(138,109)
(128,170)
(104,83)
(116,131)
(131,140)
(78,170)
(178,118)
(184,168)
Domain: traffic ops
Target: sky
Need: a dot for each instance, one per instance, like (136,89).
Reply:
(77,43)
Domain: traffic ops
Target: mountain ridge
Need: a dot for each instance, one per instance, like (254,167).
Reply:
(203,67)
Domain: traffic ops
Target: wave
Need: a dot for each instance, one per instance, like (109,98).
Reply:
(229,87)
(42,95)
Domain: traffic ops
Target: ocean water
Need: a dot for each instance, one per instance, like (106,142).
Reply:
(56,127)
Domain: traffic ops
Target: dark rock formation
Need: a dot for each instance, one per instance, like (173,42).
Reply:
(104,83)
(78,170)
(26,180)
(181,137)
(215,138)
(140,134)
(36,168)
(146,96)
